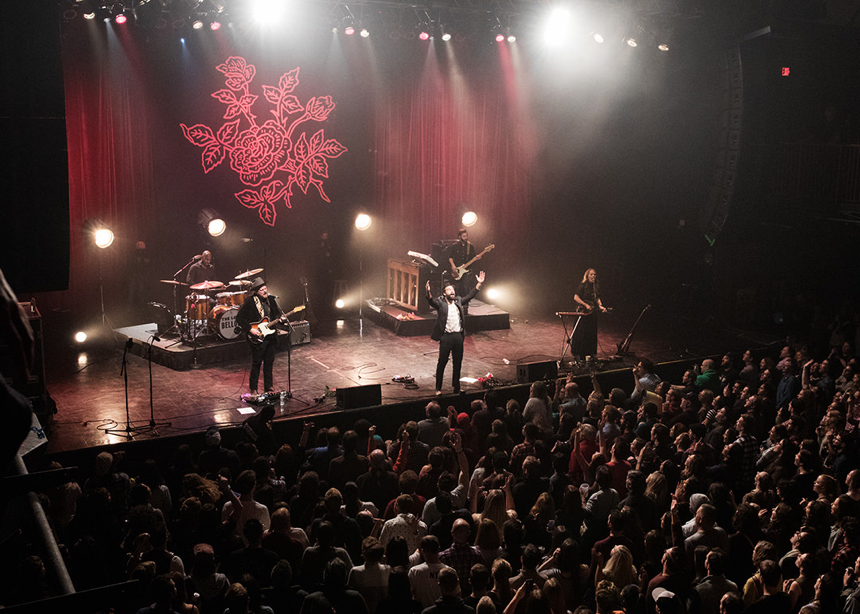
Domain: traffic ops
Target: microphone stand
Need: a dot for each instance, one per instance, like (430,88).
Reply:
(152,424)
(289,393)
(128,430)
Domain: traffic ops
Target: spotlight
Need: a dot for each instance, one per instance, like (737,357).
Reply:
(557,28)
(363,221)
(103,238)
(121,18)
(364,33)
(446,36)
(339,303)
(631,42)
(500,38)
(424,36)
(80,336)
(469,218)
(215,25)
(197,25)
(89,15)
(597,37)
(216,227)
(663,47)
(492,293)
(349,31)
(212,221)
(512,38)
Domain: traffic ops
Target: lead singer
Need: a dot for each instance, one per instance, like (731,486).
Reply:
(450,329)
(260,306)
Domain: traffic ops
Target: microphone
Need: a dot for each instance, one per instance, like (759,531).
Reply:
(156,338)
(198,258)
(274,296)
(129,343)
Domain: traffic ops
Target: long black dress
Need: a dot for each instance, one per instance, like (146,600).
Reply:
(584,341)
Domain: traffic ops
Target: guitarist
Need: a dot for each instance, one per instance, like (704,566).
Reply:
(258,307)
(459,254)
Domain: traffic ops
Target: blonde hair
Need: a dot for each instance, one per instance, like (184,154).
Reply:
(495,508)
(543,507)
(585,275)
(619,568)
(657,488)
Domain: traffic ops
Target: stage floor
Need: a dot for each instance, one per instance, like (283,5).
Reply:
(89,392)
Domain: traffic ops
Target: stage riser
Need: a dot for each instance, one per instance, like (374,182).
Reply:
(423,325)
(210,351)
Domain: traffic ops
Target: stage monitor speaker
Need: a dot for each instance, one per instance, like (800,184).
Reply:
(301,333)
(359,396)
(534,371)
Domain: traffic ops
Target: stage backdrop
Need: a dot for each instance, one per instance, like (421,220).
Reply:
(569,162)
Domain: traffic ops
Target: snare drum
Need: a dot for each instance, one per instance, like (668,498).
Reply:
(197,305)
(224,318)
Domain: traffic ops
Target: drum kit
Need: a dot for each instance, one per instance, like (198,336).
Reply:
(213,306)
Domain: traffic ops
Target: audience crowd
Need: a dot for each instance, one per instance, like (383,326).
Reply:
(733,490)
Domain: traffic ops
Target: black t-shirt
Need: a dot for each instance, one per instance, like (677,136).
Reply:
(461,253)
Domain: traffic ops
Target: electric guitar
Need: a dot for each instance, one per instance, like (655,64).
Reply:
(266,328)
(462,270)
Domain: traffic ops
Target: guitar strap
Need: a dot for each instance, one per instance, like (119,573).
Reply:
(258,304)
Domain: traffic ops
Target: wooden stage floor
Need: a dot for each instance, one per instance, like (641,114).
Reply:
(90,397)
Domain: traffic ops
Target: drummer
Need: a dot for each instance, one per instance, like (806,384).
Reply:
(203,270)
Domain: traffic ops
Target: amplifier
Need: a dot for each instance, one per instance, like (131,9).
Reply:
(301,333)
(359,396)
(534,371)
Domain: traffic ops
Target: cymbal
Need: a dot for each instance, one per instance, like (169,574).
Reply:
(239,282)
(173,282)
(248,273)
(208,285)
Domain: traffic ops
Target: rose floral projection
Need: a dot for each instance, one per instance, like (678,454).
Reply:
(285,143)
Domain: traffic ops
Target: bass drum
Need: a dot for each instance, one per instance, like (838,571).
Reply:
(225,322)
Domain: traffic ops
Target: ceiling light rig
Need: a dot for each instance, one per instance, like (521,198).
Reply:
(466,20)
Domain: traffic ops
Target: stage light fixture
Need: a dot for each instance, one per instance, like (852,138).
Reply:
(90,15)
(500,38)
(492,293)
(121,18)
(339,303)
(557,28)
(446,36)
(103,238)
(512,38)
(349,30)
(215,25)
(663,47)
(470,218)
(363,221)
(424,36)
(197,25)
(631,42)
(364,33)
(597,37)
(80,336)
(212,221)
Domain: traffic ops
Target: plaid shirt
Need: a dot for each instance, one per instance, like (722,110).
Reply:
(461,557)
(519,454)
(749,446)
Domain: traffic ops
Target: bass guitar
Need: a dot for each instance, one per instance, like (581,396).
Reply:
(266,328)
(462,270)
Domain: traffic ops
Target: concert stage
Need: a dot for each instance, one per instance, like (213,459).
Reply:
(90,396)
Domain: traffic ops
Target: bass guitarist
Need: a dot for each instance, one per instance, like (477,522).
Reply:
(460,253)
(260,306)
